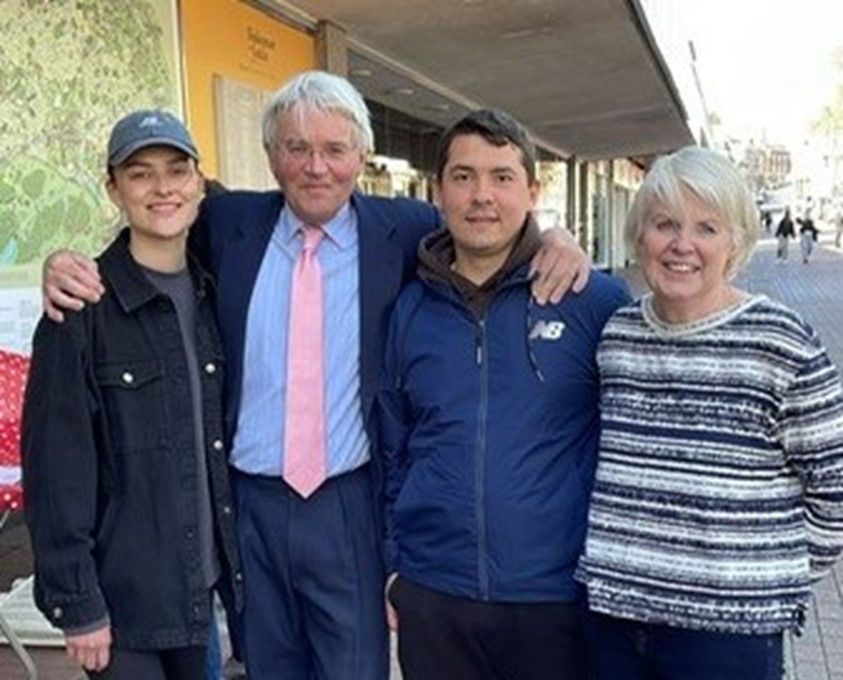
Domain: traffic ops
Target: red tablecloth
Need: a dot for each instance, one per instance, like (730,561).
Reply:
(13,371)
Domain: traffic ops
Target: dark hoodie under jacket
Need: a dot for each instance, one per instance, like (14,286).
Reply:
(437,256)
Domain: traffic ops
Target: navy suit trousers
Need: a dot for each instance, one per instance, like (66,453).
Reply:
(313,580)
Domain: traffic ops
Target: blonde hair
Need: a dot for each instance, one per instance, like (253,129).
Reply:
(711,178)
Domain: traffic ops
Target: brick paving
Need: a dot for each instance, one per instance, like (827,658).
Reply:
(815,290)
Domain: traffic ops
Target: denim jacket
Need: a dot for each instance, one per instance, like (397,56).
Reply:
(109,464)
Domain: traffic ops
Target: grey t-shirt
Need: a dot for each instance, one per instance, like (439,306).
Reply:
(178,286)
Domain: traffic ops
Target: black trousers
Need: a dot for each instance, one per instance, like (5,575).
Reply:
(182,663)
(453,638)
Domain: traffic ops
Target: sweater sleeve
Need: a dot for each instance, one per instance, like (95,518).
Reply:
(812,434)
(60,470)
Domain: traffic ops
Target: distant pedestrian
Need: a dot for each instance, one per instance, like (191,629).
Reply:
(838,226)
(717,499)
(768,221)
(784,232)
(807,236)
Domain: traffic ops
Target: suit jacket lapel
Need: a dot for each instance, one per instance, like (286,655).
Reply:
(381,270)
(242,258)
(240,261)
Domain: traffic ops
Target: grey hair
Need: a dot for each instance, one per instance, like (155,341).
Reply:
(715,181)
(325,92)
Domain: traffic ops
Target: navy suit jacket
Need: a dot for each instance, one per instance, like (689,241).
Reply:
(231,236)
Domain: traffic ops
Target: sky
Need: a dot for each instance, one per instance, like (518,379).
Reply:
(765,65)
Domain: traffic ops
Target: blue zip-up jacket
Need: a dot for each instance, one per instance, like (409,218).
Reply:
(489,431)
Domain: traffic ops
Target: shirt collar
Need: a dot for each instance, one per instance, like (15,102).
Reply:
(340,229)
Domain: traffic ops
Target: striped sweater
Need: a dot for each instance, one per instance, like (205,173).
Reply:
(718,496)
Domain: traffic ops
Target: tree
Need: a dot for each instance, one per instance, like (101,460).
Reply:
(829,122)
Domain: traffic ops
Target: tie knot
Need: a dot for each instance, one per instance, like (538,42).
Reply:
(312,236)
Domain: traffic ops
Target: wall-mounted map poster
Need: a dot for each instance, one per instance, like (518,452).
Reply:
(68,70)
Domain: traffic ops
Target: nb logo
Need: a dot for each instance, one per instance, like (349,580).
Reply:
(547,330)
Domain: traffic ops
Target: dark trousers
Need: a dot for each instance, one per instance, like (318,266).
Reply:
(183,663)
(627,650)
(313,580)
(452,638)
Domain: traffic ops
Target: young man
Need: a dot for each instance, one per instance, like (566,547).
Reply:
(127,502)
(300,387)
(489,429)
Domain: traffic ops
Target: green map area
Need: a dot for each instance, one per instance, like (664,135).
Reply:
(68,70)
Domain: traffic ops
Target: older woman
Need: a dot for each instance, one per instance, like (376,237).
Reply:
(718,497)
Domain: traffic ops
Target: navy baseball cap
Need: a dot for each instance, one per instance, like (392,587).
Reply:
(145,128)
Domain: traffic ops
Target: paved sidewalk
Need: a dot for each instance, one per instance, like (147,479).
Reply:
(815,290)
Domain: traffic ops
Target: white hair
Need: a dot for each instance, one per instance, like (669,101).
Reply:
(325,92)
(711,178)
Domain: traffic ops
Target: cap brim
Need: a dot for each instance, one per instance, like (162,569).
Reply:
(121,156)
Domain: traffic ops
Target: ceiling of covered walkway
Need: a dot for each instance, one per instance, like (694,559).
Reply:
(584,75)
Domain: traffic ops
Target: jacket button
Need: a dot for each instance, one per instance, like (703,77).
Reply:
(210,368)
(57,613)
(218,445)
(226,509)
(128,378)
(238,576)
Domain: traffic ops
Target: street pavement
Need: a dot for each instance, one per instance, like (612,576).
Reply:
(815,290)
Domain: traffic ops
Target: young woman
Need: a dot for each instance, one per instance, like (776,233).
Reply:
(127,499)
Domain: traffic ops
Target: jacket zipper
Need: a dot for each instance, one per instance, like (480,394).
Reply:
(480,352)
(480,461)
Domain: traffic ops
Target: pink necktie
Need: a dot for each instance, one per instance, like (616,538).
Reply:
(304,424)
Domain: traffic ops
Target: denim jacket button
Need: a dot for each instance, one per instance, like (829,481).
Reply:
(226,509)
(217,445)
(57,613)
(210,368)
(128,378)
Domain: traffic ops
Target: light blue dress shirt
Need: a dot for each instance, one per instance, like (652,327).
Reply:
(259,440)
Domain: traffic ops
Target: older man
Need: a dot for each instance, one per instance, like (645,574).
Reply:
(307,277)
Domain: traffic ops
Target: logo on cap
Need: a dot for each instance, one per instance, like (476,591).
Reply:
(150,121)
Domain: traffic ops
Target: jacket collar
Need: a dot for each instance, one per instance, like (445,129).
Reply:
(437,254)
(131,287)
(369,213)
